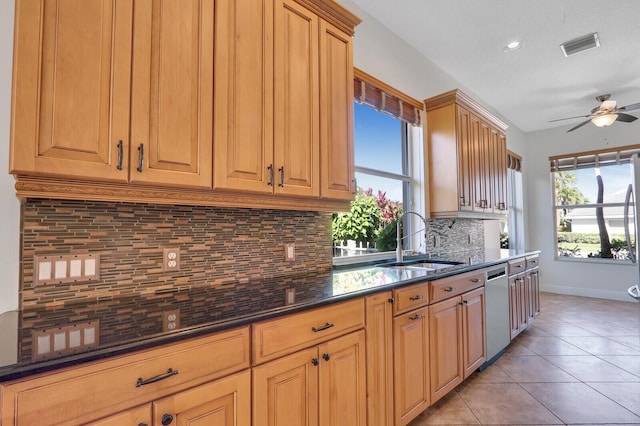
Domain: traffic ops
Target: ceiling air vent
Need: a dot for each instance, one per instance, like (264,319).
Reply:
(580,44)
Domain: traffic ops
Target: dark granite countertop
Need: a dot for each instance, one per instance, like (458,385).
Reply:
(125,324)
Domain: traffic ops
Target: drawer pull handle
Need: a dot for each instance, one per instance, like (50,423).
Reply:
(324,327)
(416,297)
(518,266)
(170,372)
(449,289)
(167,419)
(416,317)
(326,357)
(315,361)
(476,280)
(391,300)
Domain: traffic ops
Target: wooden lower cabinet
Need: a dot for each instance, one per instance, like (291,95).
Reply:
(411,364)
(379,342)
(111,389)
(224,402)
(322,385)
(138,416)
(473,331)
(524,293)
(445,338)
(457,340)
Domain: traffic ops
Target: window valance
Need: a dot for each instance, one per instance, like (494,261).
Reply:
(373,92)
(589,159)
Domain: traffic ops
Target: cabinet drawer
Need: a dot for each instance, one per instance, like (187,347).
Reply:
(95,390)
(516,266)
(284,335)
(411,297)
(532,261)
(445,288)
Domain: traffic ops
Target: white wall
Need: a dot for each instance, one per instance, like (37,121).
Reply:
(379,52)
(9,206)
(561,276)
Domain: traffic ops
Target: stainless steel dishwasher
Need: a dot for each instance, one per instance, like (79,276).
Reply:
(498,330)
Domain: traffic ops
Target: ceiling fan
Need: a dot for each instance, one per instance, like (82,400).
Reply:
(605,114)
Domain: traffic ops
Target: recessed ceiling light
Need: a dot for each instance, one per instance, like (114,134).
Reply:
(514,45)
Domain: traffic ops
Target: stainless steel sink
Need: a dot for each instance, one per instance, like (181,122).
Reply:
(423,265)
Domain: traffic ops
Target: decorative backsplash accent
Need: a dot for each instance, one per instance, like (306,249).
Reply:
(461,240)
(219,247)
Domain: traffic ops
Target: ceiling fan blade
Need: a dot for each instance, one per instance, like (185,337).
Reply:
(626,118)
(578,126)
(631,107)
(570,118)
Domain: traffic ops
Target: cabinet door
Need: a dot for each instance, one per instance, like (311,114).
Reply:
(523,305)
(285,391)
(140,416)
(445,341)
(336,113)
(514,306)
(224,402)
(499,171)
(465,158)
(296,100)
(172,93)
(342,392)
(535,292)
(243,111)
(71,88)
(379,333)
(411,364)
(473,316)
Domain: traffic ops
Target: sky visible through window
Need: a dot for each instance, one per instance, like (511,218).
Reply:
(378,145)
(615,179)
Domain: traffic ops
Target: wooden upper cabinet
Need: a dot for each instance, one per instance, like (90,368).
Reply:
(462,135)
(336,113)
(243,148)
(296,100)
(94,100)
(71,88)
(172,92)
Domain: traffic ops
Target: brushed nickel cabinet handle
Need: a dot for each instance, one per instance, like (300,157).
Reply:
(416,297)
(416,317)
(449,289)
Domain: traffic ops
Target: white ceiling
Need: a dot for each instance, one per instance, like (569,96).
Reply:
(536,83)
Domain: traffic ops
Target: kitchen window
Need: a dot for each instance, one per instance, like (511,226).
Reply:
(383,118)
(589,204)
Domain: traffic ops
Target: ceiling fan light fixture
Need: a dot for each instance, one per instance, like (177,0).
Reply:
(604,120)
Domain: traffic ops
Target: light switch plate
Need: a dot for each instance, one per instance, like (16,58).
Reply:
(289,252)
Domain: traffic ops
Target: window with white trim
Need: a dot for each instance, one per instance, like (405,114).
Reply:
(589,191)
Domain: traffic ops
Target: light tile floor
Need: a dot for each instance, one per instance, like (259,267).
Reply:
(578,363)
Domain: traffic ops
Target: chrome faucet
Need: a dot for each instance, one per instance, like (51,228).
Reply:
(399,237)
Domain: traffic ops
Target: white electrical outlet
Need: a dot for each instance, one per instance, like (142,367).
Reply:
(171,259)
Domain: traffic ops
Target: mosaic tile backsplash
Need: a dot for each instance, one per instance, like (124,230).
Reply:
(220,248)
